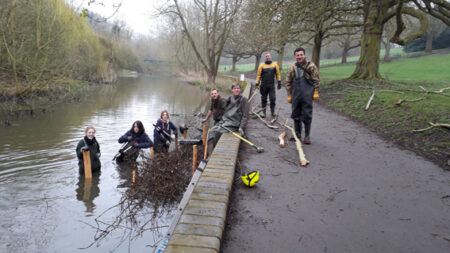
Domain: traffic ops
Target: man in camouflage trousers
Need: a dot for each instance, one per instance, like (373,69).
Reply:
(302,86)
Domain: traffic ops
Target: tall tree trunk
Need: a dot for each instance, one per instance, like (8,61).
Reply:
(233,65)
(318,38)
(345,51)
(258,58)
(387,51)
(369,59)
(280,57)
(429,43)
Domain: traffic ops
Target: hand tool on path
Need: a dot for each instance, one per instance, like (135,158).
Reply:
(258,148)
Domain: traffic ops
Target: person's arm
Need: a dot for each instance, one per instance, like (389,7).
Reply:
(208,115)
(145,142)
(78,149)
(124,138)
(258,76)
(173,127)
(98,150)
(314,75)
(289,79)
(277,70)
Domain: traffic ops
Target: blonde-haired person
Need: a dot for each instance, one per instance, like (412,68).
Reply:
(165,131)
(89,143)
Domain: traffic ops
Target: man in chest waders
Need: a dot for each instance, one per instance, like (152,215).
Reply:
(302,86)
(235,117)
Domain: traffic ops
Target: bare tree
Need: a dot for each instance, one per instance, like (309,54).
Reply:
(216,17)
(435,26)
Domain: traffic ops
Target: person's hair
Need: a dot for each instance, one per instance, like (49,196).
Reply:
(89,127)
(235,84)
(162,113)
(139,125)
(214,89)
(299,49)
(266,53)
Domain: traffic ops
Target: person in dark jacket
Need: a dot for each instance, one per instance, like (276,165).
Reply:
(217,108)
(164,133)
(268,71)
(137,138)
(89,143)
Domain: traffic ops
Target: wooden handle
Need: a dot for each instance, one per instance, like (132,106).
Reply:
(281,138)
(134,176)
(87,164)
(152,152)
(204,133)
(205,145)
(194,159)
(184,134)
(176,142)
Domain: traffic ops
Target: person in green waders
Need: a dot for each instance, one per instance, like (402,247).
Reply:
(235,117)
(89,143)
(302,86)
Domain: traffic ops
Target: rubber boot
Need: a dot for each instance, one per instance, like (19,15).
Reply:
(272,111)
(298,129)
(263,113)
(307,139)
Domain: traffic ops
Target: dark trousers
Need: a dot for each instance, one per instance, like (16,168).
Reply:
(268,90)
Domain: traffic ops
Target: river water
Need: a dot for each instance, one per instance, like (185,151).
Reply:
(45,205)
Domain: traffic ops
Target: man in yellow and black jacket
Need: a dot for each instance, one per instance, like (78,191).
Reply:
(267,72)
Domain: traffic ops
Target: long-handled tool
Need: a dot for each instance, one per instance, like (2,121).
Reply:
(125,147)
(254,94)
(258,149)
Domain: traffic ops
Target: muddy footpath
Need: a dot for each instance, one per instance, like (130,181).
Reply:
(359,193)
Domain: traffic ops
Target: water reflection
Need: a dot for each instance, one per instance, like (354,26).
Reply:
(39,168)
(88,190)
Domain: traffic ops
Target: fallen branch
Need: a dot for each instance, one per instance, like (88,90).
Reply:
(433,125)
(298,144)
(408,100)
(370,100)
(265,122)
(441,91)
(281,138)
(253,95)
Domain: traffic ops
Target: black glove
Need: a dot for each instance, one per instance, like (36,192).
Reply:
(129,138)
(98,155)
(256,85)
(85,148)
(279,85)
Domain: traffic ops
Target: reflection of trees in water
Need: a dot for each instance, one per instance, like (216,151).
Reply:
(88,190)
(156,191)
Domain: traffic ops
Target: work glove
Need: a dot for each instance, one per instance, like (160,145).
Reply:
(316,95)
(98,155)
(129,138)
(167,143)
(289,99)
(279,85)
(204,120)
(241,131)
(256,85)
(172,136)
(85,148)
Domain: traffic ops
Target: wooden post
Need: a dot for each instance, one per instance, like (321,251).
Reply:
(152,152)
(205,145)
(281,138)
(194,159)
(204,133)
(87,189)
(134,176)
(87,164)
(184,134)
(176,142)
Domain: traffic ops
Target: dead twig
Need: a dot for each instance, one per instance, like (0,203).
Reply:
(265,122)
(298,144)
(441,91)
(370,100)
(399,102)
(433,125)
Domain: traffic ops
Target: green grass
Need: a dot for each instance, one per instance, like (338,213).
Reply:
(433,68)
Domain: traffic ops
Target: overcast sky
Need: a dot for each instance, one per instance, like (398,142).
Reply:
(137,14)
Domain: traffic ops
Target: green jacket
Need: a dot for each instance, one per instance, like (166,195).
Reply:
(94,150)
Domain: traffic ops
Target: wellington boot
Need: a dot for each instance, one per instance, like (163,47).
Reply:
(272,111)
(263,113)
(307,140)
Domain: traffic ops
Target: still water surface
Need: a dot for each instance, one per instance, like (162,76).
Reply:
(44,204)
